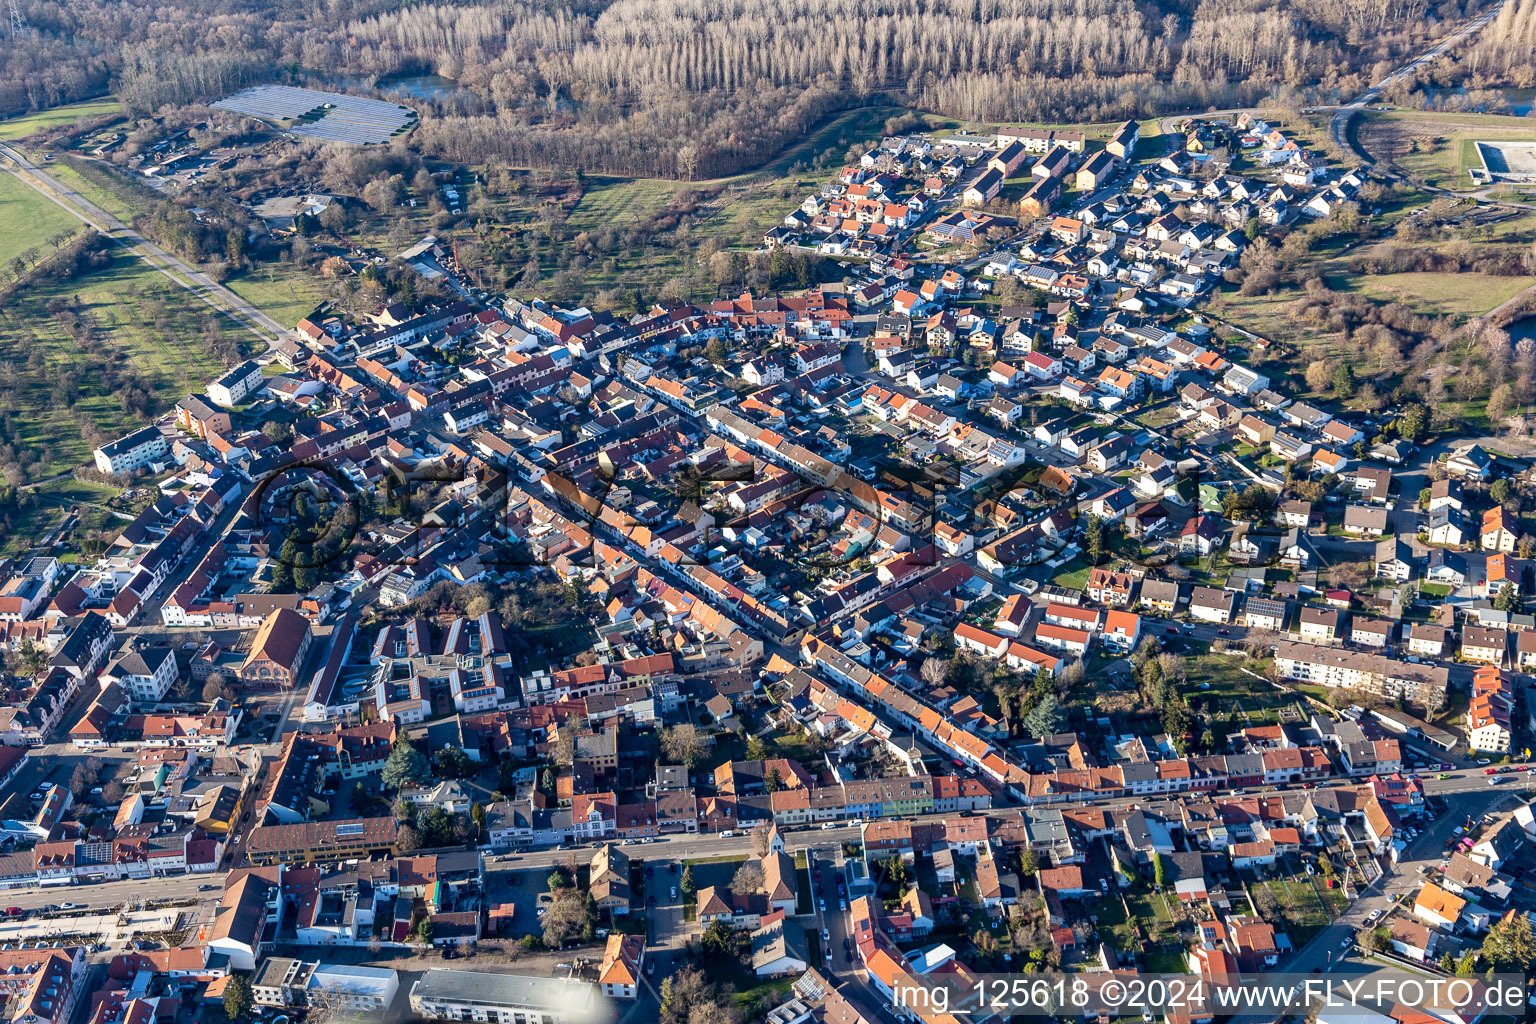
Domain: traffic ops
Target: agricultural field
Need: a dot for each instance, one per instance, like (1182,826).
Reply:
(1461,295)
(137,319)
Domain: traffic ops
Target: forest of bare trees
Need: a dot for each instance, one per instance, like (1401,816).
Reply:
(700,88)
(1508,44)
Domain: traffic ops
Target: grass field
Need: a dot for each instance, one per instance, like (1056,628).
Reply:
(1461,296)
(1218,681)
(112,192)
(1437,147)
(21,127)
(1110,920)
(284,294)
(55,498)
(27,218)
(1074,574)
(1458,295)
(149,322)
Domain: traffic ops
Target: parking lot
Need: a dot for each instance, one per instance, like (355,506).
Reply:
(113,929)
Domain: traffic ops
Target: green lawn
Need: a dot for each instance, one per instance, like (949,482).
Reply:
(28,219)
(29,526)
(1151,913)
(21,127)
(1074,574)
(1167,963)
(1303,913)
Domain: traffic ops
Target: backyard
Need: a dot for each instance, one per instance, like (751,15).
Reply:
(1302,911)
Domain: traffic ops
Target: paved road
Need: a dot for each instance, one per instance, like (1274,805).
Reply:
(199,284)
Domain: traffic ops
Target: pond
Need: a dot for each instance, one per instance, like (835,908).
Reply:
(1521,329)
(417,86)
(1520,101)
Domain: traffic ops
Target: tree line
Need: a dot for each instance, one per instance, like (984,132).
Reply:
(696,89)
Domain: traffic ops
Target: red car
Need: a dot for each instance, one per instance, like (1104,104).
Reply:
(1172,631)
(14,911)
(1491,771)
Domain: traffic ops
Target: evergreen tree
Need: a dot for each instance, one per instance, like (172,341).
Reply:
(1343,382)
(1509,945)
(1044,718)
(237,998)
(404,766)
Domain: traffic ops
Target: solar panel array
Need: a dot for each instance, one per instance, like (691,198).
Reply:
(340,118)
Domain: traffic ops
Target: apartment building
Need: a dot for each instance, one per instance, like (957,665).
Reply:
(1372,673)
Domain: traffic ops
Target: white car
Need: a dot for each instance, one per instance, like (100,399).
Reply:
(828,824)
(727,834)
(1372,916)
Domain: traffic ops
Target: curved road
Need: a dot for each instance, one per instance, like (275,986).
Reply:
(199,284)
